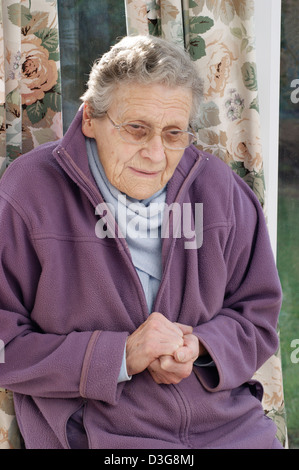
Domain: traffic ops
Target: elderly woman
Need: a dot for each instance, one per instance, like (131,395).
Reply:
(120,329)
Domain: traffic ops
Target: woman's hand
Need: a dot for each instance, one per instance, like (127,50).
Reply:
(171,369)
(157,337)
(168,350)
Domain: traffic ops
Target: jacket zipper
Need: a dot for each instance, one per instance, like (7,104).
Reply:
(191,175)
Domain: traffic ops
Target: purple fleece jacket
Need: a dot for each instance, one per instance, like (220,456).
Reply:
(69,300)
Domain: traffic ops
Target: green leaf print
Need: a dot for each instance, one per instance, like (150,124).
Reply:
(18,14)
(49,38)
(255,104)
(197,47)
(36,111)
(238,167)
(237,32)
(257,184)
(209,115)
(249,75)
(53,101)
(200,24)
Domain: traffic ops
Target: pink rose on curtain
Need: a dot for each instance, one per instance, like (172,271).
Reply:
(39,74)
(217,63)
(243,141)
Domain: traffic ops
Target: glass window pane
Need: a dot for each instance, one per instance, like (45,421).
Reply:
(87,29)
(288,212)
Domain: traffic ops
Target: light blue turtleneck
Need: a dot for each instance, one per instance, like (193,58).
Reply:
(139,222)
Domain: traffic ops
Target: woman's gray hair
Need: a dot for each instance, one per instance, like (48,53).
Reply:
(144,60)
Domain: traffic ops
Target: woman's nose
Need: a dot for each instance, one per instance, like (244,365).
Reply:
(154,149)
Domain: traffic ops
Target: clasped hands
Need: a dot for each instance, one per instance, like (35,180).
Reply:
(166,349)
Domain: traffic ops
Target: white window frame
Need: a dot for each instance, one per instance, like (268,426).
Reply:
(268,50)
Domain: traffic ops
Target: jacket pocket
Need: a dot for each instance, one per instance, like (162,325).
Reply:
(252,387)
(76,435)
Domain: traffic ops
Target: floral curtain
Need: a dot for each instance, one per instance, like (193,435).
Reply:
(30,110)
(30,93)
(219,36)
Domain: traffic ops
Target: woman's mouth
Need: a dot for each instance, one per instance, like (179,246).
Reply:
(145,173)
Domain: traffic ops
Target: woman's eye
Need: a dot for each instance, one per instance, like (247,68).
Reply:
(136,129)
(174,134)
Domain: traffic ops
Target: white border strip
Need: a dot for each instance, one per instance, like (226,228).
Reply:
(268,27)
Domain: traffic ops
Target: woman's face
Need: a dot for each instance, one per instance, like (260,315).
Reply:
(140,170)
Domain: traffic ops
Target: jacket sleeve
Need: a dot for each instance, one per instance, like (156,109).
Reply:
(40,363)
(242,335)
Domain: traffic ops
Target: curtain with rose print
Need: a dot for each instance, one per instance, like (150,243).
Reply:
(219,36)
(30,111)
(30,96)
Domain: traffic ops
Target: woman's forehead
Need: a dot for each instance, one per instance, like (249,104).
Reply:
(152,102)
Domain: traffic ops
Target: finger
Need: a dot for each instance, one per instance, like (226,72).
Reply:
(162,376)
(185,329)
(166,346)
(169,364)
(188,352)
(157,373)
(176,371)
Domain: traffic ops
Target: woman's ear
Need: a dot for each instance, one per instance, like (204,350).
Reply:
(87,122)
